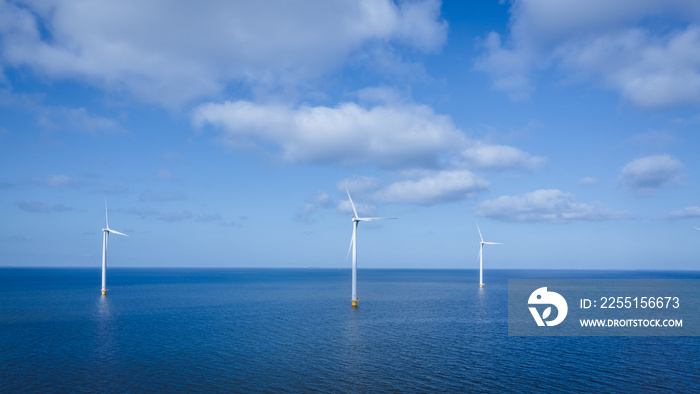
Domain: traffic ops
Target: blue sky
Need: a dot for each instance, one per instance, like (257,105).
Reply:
(224,135)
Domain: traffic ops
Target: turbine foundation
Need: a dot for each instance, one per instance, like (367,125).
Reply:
(481,285)
(104,292)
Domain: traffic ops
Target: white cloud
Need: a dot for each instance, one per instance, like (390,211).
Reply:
(648,70)
(552,206)
(388,136)
(75,119)
(363,209)
(170,52)
(499,157)
(320,199)
(358,184)
(435,188)
(685,213)
(648,51)
(508,68)
(433,157)
(59,117)
(651,172)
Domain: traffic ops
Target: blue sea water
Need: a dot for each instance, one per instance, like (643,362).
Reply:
(293,330)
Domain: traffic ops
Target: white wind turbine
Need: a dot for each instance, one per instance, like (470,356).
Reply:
(481,256)
(353,245)
(105,237)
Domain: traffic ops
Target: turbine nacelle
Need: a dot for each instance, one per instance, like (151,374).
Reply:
(369,219)
(107,229)
(482,238)
(357,218)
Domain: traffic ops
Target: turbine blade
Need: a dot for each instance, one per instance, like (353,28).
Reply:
(349,249)
(106,218)
(371,219)
(696,228)
(477,227)
(352,203)
(492,243)
(109,230)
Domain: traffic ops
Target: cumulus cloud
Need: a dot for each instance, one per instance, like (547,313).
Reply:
(358,184)
(170,52)
(398,136)
(653,65)
(509,68)
(651,172)
(320,199)
(389,136)
(75,119)
(685,213)
(59,117)
(441,186)
(499,157)
(363,209)
(552,206)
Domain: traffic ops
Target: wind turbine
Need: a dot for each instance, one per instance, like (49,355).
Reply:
(481,256)
(105,237)
(353,245)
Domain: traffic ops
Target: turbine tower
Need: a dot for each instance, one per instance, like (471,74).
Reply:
(105,237)
(353,245)
(481,256)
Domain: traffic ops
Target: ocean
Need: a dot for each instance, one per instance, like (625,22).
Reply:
(294,330)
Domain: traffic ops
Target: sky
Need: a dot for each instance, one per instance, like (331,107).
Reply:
(225,134)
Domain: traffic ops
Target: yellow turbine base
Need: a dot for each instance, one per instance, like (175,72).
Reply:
(354,303)
(481,285)
(104,292)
